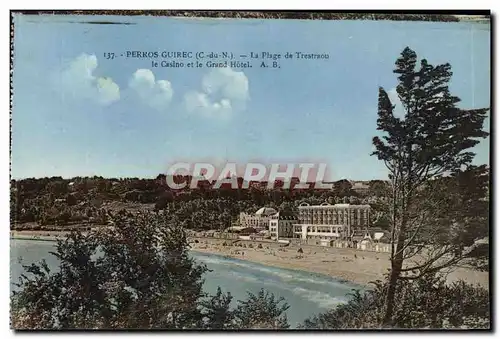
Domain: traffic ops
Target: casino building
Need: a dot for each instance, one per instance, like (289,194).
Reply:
(259,220)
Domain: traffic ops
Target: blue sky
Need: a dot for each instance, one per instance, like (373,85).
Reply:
(76,113)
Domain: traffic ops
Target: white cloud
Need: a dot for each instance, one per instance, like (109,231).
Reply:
(156,93)
(223,91)
(399,110)
(108,90)
(231,84)
(200,102)
(77,80)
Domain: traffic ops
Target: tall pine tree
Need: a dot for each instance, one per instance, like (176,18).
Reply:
(432,140)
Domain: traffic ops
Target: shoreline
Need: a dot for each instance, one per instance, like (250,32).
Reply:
(289,265)
(37,235)
(345,265)
(292,270)
(30,238)
(283,266)
(336,263)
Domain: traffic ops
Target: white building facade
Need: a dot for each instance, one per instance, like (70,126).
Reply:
(331,222)
(259,220)
(281,225)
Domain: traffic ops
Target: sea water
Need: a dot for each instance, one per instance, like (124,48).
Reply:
(306,293)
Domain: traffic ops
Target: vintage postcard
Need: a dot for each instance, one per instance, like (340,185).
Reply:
(250,170)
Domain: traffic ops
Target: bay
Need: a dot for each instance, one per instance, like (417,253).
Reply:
(306,293)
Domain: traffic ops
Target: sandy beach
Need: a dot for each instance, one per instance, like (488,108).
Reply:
(359,267)
(37,235)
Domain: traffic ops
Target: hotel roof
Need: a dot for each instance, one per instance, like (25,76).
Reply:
(329,206)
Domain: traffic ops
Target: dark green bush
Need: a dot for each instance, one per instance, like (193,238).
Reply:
(425,303)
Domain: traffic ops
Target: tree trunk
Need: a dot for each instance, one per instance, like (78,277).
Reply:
(396,265)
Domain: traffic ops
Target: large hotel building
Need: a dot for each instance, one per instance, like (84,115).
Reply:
(328,221)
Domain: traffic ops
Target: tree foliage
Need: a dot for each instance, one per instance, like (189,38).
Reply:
(262,311)
(427,153)
(62,204)
(137,274)
(427,303)
(217,311)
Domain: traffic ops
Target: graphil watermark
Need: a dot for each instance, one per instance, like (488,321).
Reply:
(182,175)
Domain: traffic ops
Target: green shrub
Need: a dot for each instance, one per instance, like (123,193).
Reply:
(424,303)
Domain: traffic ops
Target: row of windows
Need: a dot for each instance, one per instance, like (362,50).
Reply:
(318,237)
(277,217)
(319,229)
(336,210)
(333,216)
(282,227)
(323,229)
(334,222)
(254,222)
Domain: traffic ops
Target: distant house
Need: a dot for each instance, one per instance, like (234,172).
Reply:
(378,235)
(372,234)
(360,187)
(281,224)
(326,242)
(358,235)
